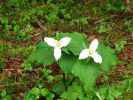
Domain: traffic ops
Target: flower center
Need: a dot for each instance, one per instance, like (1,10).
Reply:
(57,44)
(90,51)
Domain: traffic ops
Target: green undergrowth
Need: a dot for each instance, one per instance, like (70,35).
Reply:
(23,26)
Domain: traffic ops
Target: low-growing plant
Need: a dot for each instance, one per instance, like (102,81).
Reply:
(5,96)
(120,45)
(36,93)
(78,63)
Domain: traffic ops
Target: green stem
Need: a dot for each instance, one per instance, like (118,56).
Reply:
(64,81)
(71,81)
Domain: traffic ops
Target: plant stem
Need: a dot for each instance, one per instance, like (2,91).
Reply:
(64,81)
(72,81)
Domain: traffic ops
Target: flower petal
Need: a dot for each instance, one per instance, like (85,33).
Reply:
(94,44)
(57,53)
(50,41)
(65,41)
(84,54)
(97,58)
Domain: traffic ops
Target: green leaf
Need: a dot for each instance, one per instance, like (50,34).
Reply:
(121,87)
(50,78)
(130,65)
(4,99)
(111,93)
(29,96)
(44,91)
(61,35)
(59,88)
(102,90)
(102,28)
(87,72)
(74,92)
(50,96)
(3,94)
(35,91)
(66,62)
(78,42)
(43,54)
(110,97)
(130,84)
(116,93)
(109,58)
(8,97)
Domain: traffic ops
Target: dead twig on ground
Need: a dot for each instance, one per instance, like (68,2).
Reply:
(40,24)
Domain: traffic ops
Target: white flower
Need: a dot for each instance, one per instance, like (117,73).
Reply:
(91,52)
(57,45)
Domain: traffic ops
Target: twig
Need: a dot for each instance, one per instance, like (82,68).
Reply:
(12,84)
(101,20)
(17,59)
(130,43)
(37,34)
(11,69)
(40,24)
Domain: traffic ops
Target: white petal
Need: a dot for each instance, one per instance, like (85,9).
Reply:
(57,53)
(50,41)
(97,58)
(94,44)
(65,41)
(84,54)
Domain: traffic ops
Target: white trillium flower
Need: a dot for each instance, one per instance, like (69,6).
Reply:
(57,45)
(91,52)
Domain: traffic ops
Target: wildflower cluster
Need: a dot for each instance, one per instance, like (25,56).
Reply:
(91,52)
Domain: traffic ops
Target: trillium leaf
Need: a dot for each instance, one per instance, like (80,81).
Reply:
(87,72)
(43,54)
(61,35)
(78,42)
(109,58)
(66,62)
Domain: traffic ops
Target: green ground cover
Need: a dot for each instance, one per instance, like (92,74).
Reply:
(25,23)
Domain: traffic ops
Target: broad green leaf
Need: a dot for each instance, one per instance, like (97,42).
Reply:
(110,97)
(43,54)
(35,91)
(110,91)
(59,88)
(87,72)
(3,94)
(61,35)
(116,93)
(44,91)
(109,58)
(78,42)
(102,90)
(66,62)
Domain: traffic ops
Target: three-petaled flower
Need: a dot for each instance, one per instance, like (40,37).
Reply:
(57,45)
(91,52)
